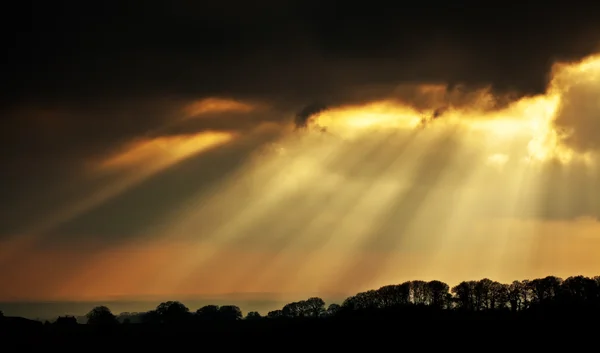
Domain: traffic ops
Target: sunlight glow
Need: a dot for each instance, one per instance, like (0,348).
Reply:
(531,117)
(375,194)
(381,114)
(216,105)
(314,182)
(498,159)
(164,150)
(133,165)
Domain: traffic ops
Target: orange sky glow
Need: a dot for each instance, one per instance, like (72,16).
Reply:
(301,211)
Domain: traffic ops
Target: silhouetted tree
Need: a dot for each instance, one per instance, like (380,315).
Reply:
(403,293)
(362,301)
(526,294)
(313,307)
(465,295)
(101,315)
(350,304)
(66,321)
(394,295)
(230,313)
(275,314)
(449,301)
(253,315)
(515,296)
(173,312)
(131,317)
(545,289)
(577,295)
(151,317)
(292,310)
(208,312)
(489,295)
(579,290)
(498,296)
(482,293)
(333,309)
(437,294)
(419,292)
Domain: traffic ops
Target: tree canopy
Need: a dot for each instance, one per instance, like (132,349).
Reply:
(101,315)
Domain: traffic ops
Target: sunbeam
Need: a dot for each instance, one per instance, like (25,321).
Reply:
(359,196)
(132,165)
(331,205)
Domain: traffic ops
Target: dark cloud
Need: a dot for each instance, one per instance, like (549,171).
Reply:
(139,209)
(46,147)
(579,115)
(307,112)
(289,51)
(80,80)
(47,144)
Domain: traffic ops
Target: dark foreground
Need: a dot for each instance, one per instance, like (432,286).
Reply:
(544,314)
(565,332)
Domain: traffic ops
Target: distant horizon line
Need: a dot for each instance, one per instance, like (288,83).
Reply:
(217,296)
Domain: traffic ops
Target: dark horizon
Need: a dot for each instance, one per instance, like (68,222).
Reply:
(573,293)
(260,302)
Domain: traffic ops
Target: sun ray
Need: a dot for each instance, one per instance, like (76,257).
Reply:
(139,160)
(315,232)
(381,184)
(284,175)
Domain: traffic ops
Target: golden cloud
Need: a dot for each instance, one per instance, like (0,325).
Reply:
(164,150)
(217,105)
(561,124)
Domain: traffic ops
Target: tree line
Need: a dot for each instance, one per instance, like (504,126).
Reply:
(482,296)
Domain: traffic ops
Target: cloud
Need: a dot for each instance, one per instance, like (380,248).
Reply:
(306,113)
(498,159)
(159,151)
(310,52)
(163,183)
(578,115)
(84,94)
(216,105)
(49,170)
(160,133)
(130,79)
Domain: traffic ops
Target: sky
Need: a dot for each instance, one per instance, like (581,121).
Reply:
(191,149)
